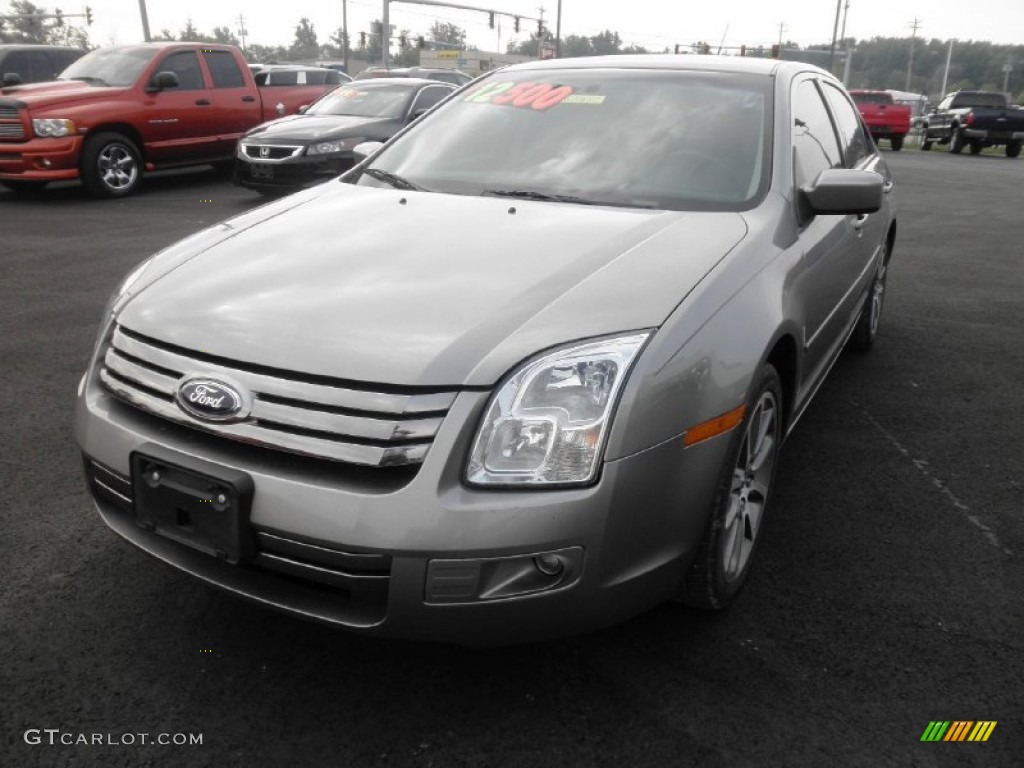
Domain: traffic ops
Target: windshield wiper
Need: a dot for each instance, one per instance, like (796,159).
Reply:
(393,179)
(529,194)
(87,79)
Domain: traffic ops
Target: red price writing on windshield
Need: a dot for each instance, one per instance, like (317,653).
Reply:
(538,96)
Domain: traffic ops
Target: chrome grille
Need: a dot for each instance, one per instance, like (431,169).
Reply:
(310,415)
(12,131)
(7,112)
(271,152)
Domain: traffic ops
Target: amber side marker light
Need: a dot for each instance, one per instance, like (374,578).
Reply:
(714,427)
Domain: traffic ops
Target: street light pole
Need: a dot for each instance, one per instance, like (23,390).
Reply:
(145,20)
(835,31)
(344,33)
(558,32)
(385,35)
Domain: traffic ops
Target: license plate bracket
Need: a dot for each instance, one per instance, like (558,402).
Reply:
(262,171)
(194,502)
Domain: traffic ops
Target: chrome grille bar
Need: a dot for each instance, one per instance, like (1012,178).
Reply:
(312,419)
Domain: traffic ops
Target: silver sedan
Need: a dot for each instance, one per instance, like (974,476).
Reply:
(524,371)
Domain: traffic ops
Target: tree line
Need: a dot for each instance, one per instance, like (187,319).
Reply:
(880,62)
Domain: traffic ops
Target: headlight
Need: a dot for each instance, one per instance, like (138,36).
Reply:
(333,147)
(53,127)
(548,422)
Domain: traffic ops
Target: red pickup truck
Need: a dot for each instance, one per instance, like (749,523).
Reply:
(118,112)
(884,118)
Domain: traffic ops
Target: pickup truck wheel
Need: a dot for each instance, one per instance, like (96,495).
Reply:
(1013,148)
(926,145)
(976,147)
(111,165)
(956,142)
(896,142)
(724,555)
(864,333)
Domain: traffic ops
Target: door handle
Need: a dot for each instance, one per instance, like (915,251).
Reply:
(202,102)
(861,220)
(887,187)
(248,98)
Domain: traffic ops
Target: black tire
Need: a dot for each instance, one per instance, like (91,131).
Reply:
(956,142)
(896,142)
(726,552)
(24,186)
(111,165)
(926,145)
(1013,148)
(863,337)
(976,147)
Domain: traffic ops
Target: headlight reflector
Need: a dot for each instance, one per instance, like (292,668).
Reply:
(548,422)
(333,147)
(52,127)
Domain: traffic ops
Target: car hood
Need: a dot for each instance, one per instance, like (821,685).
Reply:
(34,95)
(407,288)
(319,127)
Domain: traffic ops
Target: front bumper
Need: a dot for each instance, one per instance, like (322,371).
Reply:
(292,173)
(634,532)
(995,137)
(46,159)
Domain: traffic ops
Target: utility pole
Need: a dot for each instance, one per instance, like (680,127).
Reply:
(846,12)
(385,35)
(145,20)
(835,32)
(242,31)
(913,38)
(781,27)
(344,33)
(558,32)
(1007,69)
(945,74)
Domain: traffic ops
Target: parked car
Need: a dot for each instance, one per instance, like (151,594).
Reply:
(118,112)
(884,118)
(975,119)
(34,63)
(294,151)
(453,76)
(524,371)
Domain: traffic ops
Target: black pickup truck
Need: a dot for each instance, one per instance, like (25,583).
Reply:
(975,119)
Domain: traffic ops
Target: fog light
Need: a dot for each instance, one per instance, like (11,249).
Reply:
(549,565)
(43,162)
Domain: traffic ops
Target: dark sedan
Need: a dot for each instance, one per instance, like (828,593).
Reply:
(306,149)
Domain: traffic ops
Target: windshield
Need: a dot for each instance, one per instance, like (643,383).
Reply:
(872,98)
(975,99)
(652,139)
(363,101)
(110,66)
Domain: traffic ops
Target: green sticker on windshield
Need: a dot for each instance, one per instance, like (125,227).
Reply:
(584,98)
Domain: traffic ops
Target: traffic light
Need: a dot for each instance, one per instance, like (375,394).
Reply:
(517,24)
(492,20)
(705,48)
(743,50)
(540,28)
(421,42)
(402,41)
(776,51)
(362,39)
(88,15)
(677,47)
(59,21)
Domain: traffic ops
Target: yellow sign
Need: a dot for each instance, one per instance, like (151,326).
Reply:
(448,54)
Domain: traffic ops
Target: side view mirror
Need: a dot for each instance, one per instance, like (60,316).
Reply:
(417,114)
(303,108)
(365,149)
(843,191)
(11,78)
(162,81)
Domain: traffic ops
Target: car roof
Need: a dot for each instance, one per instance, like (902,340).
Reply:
(38,47)
(673,62)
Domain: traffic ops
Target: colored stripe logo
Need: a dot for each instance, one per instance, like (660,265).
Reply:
(958,730)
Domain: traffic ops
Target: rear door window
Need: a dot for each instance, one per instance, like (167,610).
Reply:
(224,69)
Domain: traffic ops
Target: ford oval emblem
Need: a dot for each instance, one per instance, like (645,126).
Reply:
(210,400)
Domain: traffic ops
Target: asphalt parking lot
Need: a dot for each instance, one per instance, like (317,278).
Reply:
(887,593)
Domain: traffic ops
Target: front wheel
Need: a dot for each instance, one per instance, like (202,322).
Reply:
(896,142)
(1013,148)
(723,558)
(111,165)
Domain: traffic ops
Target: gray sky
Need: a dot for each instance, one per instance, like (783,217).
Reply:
(651,23)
